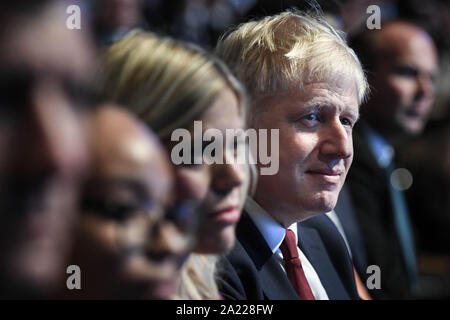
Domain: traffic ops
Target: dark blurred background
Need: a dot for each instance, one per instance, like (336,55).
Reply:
(203,21)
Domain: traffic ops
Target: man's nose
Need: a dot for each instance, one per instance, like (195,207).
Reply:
(425,86)
(336,141)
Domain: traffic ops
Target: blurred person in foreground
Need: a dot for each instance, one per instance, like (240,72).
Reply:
(44,70)
(306,82)
(175,87)
(402,62)
(127,242)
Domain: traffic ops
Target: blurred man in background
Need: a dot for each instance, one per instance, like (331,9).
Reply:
(402,62)
(43,72)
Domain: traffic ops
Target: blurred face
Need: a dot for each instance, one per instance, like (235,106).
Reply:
(218,187)
(403,81)
(126,245)
(316,150)
(42,147)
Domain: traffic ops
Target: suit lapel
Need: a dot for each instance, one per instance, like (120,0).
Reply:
(344,210)
(312,246)
(275,284)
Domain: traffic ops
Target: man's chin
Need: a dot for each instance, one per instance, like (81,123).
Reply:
(411,127)
(324,202)
(412,132)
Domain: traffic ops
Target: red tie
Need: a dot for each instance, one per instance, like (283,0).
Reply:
(294,268)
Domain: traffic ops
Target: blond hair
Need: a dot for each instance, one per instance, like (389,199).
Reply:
(165,82)
(288,50)
(198,278)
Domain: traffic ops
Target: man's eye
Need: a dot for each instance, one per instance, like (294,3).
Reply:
(347,122)
(312,117)
(310,120)
(406,71)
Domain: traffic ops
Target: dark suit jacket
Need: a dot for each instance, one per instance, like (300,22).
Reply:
(251,272)
(346,214)
(347,217)
(369,189)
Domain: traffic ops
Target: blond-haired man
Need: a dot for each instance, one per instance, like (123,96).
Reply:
(306,82)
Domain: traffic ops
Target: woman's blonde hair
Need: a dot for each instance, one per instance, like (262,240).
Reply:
(165,82)
(198,278)
(288,50)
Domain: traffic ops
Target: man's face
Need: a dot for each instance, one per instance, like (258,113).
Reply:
(316,149)
(42,148)
(403,89)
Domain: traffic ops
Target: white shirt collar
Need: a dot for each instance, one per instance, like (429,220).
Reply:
(271,230)
(380,148)
(274,234)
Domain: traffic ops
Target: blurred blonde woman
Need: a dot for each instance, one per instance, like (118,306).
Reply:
(169,85)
